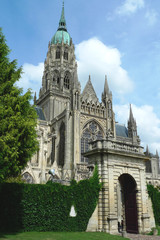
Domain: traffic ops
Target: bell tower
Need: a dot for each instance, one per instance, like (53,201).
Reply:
(60,70)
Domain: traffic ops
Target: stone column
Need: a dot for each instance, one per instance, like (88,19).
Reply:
(100,209)
(67,156)
(112,216)
(105,190)
(145,216)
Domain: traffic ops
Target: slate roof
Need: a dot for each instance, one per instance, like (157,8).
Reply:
(40,113)
(121,130)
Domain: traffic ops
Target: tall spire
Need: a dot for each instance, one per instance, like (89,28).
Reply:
(62,21)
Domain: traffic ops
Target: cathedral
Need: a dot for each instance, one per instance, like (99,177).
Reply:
(76,131)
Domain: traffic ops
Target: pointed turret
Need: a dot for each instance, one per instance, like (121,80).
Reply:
(131,118)
(147,150)
(106,88)
(106,95)
(132,126)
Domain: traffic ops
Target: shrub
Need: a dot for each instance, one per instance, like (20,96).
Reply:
(36,207)
(155,197)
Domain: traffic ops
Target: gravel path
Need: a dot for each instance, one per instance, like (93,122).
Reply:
(142,237)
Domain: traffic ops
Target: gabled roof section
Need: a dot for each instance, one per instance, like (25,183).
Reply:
(89,93)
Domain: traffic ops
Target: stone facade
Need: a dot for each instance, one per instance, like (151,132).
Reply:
(76,131)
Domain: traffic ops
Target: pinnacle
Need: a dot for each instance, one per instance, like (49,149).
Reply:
(106,88)
(157,155)
(131,118)
(147,150)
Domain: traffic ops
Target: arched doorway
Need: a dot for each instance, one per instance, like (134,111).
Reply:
(128,188)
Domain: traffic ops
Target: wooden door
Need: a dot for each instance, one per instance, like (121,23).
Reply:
(131,212)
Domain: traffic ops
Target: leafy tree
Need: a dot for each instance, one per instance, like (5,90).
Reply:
(18,119)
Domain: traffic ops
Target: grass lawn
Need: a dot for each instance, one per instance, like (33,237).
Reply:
(59,236)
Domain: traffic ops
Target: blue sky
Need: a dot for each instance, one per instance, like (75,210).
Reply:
(116,38)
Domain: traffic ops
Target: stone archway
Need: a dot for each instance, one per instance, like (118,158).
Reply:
(128,189)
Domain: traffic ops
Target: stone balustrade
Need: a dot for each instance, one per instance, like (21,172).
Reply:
(115,145)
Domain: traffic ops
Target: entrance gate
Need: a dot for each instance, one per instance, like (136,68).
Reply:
(128,186)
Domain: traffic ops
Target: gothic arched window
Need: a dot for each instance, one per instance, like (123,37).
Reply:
(58,53)
(91,132)
(66,54)
(27,177)
(61,145)
(56,77)
(67,80)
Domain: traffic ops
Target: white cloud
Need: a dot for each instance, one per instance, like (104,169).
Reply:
(97,59)
(151,16)
(31,77)
(130,6)
(94,58)
(148,123)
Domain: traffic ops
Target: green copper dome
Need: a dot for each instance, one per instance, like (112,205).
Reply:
(61,34)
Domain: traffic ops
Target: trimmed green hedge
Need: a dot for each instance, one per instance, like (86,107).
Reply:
(154,194)
(36,207)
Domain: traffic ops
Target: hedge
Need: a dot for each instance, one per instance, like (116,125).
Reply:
(36,207)
(154,194)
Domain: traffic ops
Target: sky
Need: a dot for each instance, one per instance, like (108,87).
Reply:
(117,38)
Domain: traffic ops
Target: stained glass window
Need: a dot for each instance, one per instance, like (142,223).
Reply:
(27,177)
(91,132)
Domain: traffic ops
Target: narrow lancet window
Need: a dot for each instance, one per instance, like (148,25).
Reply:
(67,80)
(58,53)
(66,54)
(56,77)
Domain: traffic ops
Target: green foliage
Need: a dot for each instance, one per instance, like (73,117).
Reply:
(17,179)
(153,229)
(155,197)
(35,207)
(18,118)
